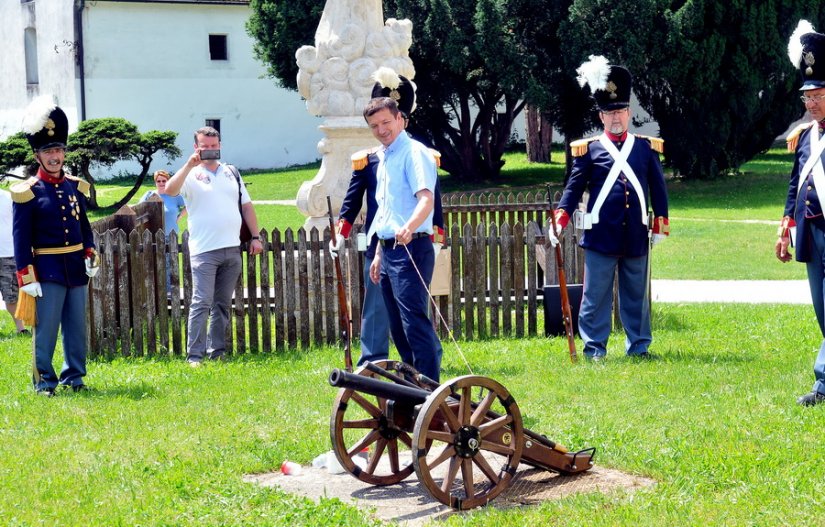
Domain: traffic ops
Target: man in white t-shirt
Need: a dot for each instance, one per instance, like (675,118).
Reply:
(8,269)
(210,190)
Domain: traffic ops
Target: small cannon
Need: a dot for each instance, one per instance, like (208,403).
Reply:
(463,438)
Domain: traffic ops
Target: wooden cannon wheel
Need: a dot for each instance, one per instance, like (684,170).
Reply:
(455,422)
(360,423)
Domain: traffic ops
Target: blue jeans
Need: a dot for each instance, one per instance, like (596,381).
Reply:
(214,276)
(375,323)
(816,281)
(597,303)
(407,300)
(63,307)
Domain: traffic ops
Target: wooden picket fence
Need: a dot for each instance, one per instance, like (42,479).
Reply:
(286,297)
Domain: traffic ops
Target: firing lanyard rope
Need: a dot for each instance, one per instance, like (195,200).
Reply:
(435,307)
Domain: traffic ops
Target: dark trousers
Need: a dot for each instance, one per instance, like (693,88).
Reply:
(407,298)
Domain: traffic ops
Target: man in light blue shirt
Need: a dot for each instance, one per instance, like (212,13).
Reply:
(405,258)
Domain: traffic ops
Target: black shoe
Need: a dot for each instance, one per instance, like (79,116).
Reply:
(46,392)
(645,355)
(24,333)
(80,388)
(595,358)
(811,399)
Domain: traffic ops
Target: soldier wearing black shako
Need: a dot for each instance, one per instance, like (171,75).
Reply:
(803,224)
(54,251)
(624,177)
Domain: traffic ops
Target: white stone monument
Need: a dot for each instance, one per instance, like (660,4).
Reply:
(335,78)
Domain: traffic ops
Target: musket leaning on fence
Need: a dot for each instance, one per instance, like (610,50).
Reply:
(565,299)
(343,310)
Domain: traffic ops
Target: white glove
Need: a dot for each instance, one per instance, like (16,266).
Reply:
(553,239)
(436,249)
(657,238)
(336,245)
(91,270)
(32,289)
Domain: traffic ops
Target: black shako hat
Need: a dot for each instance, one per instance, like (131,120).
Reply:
(45,124)
(609,84)
(806,49)
(390,84)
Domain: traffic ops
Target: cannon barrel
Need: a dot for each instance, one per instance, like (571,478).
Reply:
(387,390)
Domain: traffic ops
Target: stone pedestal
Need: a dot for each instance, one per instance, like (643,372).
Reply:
(343,136)
(335,78)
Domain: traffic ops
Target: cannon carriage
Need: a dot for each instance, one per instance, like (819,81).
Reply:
(464,439)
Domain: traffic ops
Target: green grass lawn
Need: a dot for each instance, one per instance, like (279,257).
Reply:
(713,421)
(158,443)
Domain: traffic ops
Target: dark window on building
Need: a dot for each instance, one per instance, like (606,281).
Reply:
(214,123)
(30,49)
(217,47)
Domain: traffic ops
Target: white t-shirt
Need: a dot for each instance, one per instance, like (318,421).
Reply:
(212,207)
(6,238)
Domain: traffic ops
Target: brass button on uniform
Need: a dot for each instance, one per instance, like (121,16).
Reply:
(807,202)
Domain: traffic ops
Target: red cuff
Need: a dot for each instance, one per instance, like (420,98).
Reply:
(438,235)
(344,227)
(91,254)
(562,218)
(26,276)
(661,225)
(786,224)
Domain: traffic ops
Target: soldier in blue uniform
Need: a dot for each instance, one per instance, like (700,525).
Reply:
(803,223)
(53,249)
(623,175)
(375,324)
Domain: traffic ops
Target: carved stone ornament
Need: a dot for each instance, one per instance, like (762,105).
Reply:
(335,77)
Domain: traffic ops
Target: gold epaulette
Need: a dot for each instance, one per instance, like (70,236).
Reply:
(656,143)
(360,159)
(82,185)
(793,137)
(22,192)
(579,147)
(437,155)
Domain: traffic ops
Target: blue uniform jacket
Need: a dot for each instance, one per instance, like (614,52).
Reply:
(53,216)
(803,206)
(364,181)
(620,231)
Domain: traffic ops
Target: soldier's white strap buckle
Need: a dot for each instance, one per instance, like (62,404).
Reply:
(620,165)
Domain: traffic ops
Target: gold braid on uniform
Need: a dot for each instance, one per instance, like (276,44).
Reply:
(793,137)
(82,185)
(579,147)
(22,192)
(656,143)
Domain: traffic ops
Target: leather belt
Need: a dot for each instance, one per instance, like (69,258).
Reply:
(59,250)
(391,241)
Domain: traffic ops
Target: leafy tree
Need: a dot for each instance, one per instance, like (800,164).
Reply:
(14,152)
(279,28)
(475,61)
(103,142)
(714,75)
(149,144)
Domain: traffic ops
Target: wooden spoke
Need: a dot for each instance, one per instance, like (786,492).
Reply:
(364,443)
(481,410)
(486,469)
(445,454)
(464,405)
(436,435)
(467,476)
(366,405)
(498,448)
(449,416)
(447,483)
(361,423)
(379,451)
(495,424)
(392,448)
(405,438)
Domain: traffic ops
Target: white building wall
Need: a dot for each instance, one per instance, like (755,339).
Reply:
(55,56)
(149,63)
